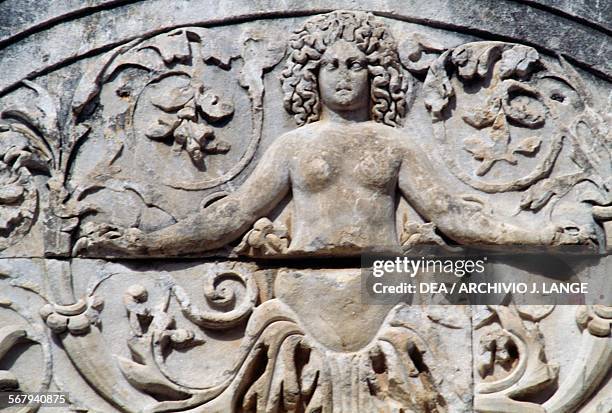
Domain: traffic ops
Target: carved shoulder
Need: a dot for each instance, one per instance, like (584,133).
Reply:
(406,142)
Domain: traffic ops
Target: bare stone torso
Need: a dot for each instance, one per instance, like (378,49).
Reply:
(344,181)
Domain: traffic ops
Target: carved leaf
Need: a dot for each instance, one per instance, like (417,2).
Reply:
(528,145)
(172,46)
(18,152)
(483,117)
(46,120)
(417,53)
(148,379)
(477,147)
(218,50)
(267,49)
(260,51)
(498,151)
(213,106)
(518,61)
(90,83)
(437,88)
(217,146)
(475,59)
(165,125)
(42,117)
(500,134)
(173,100)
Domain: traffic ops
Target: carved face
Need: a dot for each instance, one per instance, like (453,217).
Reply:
(343,77)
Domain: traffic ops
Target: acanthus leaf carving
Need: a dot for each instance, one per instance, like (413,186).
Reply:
(281,365)
(518,61)
(31,142)
(513,80)
(302,375)
(591,364)
(418,52)
(475,60)
(231,295)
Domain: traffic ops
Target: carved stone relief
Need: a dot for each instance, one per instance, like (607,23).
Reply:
(182,199)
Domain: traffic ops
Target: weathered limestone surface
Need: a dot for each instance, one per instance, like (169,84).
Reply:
(187,186)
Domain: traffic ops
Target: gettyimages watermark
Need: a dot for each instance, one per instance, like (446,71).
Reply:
(436,276)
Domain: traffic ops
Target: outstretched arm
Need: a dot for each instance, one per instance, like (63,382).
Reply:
(212,227)
(424,189)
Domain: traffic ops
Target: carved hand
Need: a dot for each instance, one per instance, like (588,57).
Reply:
(109,240)
(568,233)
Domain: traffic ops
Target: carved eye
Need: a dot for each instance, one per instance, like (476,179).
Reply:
(356,65)
(330,64)
(558,97)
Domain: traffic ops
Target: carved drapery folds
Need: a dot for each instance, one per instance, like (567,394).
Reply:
(183,144)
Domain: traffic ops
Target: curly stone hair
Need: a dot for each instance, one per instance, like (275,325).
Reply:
(307,45)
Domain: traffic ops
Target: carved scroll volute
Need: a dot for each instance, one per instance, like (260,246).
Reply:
(26,331)
(75,326)
(520,352)
(511,112)
(187,92)
(230,295)
(591,364)
(179,114)
(483,122)
(145,382)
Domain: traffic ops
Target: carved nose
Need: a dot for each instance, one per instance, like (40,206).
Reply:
(344,82)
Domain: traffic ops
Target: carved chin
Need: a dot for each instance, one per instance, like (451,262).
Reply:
(345,97)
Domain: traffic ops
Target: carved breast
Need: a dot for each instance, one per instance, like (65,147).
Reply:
(376,169)
(315,172)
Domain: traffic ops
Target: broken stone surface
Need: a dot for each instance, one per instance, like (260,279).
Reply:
(180,231)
